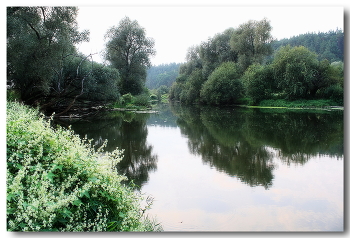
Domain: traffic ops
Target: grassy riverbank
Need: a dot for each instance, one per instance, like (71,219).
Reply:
(57,182)
(321,103)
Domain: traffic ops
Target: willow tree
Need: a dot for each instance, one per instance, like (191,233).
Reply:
(39,39)
(252,42)
(129,50)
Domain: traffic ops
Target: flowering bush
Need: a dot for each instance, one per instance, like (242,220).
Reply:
(58,182)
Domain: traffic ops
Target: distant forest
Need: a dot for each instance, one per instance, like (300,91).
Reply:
(164,74)
(328,45)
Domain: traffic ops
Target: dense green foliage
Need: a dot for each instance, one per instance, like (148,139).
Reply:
(299,74)
(292,72)
(57,182)
(252,41)
(243,46)
(138,102)
(223,85)
(38,40)
(162,75)
(258,82)
(129,50)
(327,45)
(44,66)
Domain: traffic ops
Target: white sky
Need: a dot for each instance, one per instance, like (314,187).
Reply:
(177,27)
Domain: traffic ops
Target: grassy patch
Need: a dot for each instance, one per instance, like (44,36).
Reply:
(321,103)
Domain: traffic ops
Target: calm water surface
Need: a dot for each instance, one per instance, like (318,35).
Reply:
(233,169)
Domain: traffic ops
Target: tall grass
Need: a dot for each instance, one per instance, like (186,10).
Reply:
(57,182)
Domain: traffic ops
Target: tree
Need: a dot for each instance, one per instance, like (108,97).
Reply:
(44,65)
(223,85)
(129,50)
(191,90)
(216,51)
(328,45)
(38,40)
(299,73)
(252,41)
(162,75)
(258,82)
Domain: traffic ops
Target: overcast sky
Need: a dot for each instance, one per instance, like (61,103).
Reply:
(176,28)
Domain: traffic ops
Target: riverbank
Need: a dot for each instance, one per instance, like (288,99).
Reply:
(321,104)
(58,182)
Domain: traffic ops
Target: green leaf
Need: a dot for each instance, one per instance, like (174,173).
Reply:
(77,202)
(93,179)
(11,210)
(22,225)
(50,176)
(10,196)
(66,213)
(18,166)
(86,194)
(58,167)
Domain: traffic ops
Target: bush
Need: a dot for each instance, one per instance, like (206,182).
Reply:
(142,100)
(13,95)
(223,85)
(258,82)
(334,92)
(57,182)
(127,98)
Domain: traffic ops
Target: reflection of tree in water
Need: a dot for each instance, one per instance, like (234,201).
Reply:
(298,135)
(138,159)
(236,141)
(226,152)
(126,131)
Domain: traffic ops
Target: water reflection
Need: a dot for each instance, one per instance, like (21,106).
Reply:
(237,140)
(240,142)
(126,131)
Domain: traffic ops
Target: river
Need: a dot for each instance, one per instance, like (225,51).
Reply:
(231,169)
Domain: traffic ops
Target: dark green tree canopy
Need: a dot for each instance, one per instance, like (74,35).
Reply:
(129,50)
(38,39)
(252,41)
(45,66)
(223,85)
(328,45)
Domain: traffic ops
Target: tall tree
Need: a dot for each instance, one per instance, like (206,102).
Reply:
(217,50)
(252,41)
(38,40)
(299,73)
(129,50)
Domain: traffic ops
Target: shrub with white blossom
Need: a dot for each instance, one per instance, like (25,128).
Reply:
(58,182)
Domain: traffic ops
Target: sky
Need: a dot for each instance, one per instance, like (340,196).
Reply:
(177,27)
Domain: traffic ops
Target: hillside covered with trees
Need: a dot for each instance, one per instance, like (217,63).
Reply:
(164,74)
(327,45)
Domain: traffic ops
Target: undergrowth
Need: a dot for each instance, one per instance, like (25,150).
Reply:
(58,182)
(320,103)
